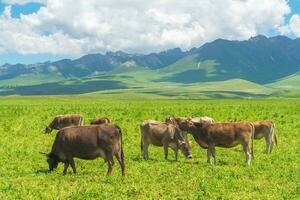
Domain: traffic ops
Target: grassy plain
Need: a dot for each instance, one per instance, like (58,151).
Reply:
(22,168)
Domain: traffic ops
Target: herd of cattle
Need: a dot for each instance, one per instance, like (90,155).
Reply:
(103,139)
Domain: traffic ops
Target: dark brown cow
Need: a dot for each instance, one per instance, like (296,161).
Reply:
(227,135)
(62,121)
(87,142)
(163,134)
(266,129)
(100,120)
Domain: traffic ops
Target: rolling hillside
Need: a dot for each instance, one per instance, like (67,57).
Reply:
(258,67)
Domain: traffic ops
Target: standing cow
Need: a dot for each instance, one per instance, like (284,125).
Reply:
(266,129)
(163,134)
(100,120)
(62,121)
(226,135)
(89,143)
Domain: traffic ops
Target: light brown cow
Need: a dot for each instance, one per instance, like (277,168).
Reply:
(225,135)
(100,120)
(89,143)
(266,129)
(62,121)
(163,134)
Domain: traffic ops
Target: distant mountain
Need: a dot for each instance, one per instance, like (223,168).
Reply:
(260,60)
(93,63)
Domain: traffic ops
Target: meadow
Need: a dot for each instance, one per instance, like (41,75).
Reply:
(23,170)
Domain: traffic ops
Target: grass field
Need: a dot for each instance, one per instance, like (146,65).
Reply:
(22,168)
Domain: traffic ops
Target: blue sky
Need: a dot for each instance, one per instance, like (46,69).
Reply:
(57,33)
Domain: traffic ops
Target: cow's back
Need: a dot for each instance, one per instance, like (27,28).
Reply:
(155,132)
(86,142)
(226,133)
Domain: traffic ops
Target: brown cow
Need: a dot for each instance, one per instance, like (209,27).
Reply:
(62,121)
(266,129)
(100,120)
(87,142)
(163,134)
(226,135)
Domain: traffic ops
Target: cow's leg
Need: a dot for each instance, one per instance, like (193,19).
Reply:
(110,162)
(213,152)
(166,146)
(247,151)
(66,167)
(208,155)
(175,149)
(176,154)
(72,163)
(121,162)
(145,149)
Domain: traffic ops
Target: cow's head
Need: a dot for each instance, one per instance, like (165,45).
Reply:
(171,120)
(52,160)
(48,129)
(185,147)
(185,124)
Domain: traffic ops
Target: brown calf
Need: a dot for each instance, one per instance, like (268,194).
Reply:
(163,134)
(89,143)
(100,120)
(266,129)
(62,121)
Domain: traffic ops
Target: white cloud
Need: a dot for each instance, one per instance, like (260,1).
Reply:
(84,26)
(293,27)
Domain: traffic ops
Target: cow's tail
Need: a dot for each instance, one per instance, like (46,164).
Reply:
(252,139)
(274,133)
(142,142)
(81,120)
(122,152)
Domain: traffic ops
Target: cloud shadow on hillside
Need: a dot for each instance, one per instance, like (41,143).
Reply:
(60,88)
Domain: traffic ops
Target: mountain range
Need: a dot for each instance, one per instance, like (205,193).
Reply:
(272,63)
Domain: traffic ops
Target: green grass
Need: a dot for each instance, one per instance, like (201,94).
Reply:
(275,176)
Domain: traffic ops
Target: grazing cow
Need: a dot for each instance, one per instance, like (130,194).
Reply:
(62,121)
(100,120)
(266,129)
(226,135)
(163,134)
(87,142)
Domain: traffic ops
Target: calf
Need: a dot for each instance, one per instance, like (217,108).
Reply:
(266,129)
(62,121)
(87,142)
(163,134)
(101,120)
(221,135)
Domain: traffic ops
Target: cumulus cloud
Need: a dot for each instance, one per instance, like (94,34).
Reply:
(293,27)
(79,27)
